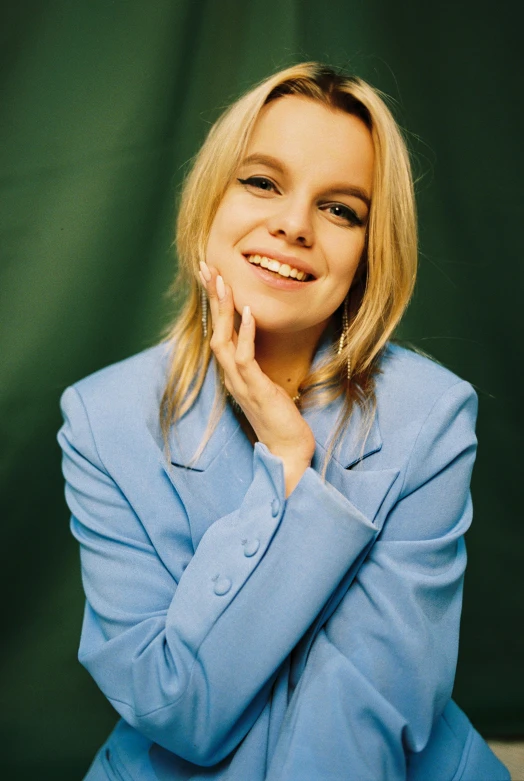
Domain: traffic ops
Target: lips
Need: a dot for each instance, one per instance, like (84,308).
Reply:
(275,280)
(282,269)
(285,266)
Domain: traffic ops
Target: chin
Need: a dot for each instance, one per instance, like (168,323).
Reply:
(278,325)
(270,314)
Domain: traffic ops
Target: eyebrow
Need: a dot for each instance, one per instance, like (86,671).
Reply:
(338,189)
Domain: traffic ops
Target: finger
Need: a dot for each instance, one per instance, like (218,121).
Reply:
(219,301)
(223,341)
(204,269)
(245,352)
(226,310)
(258,386)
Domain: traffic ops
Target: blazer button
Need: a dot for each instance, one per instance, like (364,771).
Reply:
(275,507)
(222,586)
(251,546)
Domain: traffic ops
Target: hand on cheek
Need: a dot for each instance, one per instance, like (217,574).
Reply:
(273,416)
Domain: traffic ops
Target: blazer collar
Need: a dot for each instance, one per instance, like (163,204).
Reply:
(185,437)
(360,439)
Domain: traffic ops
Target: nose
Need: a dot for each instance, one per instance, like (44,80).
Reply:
(293,222)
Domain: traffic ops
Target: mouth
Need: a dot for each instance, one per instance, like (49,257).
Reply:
(278,269)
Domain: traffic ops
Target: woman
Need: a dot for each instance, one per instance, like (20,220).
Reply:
(271,502)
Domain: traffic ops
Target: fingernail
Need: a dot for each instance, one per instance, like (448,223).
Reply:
(221,290)
(205,271)
(246,315)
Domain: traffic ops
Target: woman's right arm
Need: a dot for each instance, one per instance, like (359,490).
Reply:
(189,661)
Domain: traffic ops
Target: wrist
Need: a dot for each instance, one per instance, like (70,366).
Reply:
(294,468)
(296,454)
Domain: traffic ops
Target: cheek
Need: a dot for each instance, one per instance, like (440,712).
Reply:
(219,237)
(219,225)
(229,227)
(346,257)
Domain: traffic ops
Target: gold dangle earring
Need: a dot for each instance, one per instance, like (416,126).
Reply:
(203,304)
(344,334)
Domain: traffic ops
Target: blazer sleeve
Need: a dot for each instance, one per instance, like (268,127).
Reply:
(381,670)
(189,662)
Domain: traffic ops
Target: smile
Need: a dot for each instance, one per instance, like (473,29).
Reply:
(282,269)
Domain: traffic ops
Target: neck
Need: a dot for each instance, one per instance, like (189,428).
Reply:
(287,358)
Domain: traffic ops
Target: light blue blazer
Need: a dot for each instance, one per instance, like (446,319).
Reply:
(245,637)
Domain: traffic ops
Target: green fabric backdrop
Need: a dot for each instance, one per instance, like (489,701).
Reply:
(103,104)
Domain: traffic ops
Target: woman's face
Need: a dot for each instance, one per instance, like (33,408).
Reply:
(302,206)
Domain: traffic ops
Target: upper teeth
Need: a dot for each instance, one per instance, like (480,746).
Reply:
(284,269)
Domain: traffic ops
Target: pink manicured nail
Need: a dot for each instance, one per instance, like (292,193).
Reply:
(221,290)
(246,315)
(204,268)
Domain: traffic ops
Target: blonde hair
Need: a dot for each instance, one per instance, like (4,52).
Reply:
(382,286)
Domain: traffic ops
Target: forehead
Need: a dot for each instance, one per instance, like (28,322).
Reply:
(308,137)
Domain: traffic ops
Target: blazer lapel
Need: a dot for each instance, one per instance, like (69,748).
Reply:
(186,436)
(346,471)
(214,484)
(360,439)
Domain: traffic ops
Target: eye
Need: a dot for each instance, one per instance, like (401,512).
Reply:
(260,182)
(344,213)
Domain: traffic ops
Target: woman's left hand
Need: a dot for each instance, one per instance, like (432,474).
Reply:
(272,414)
